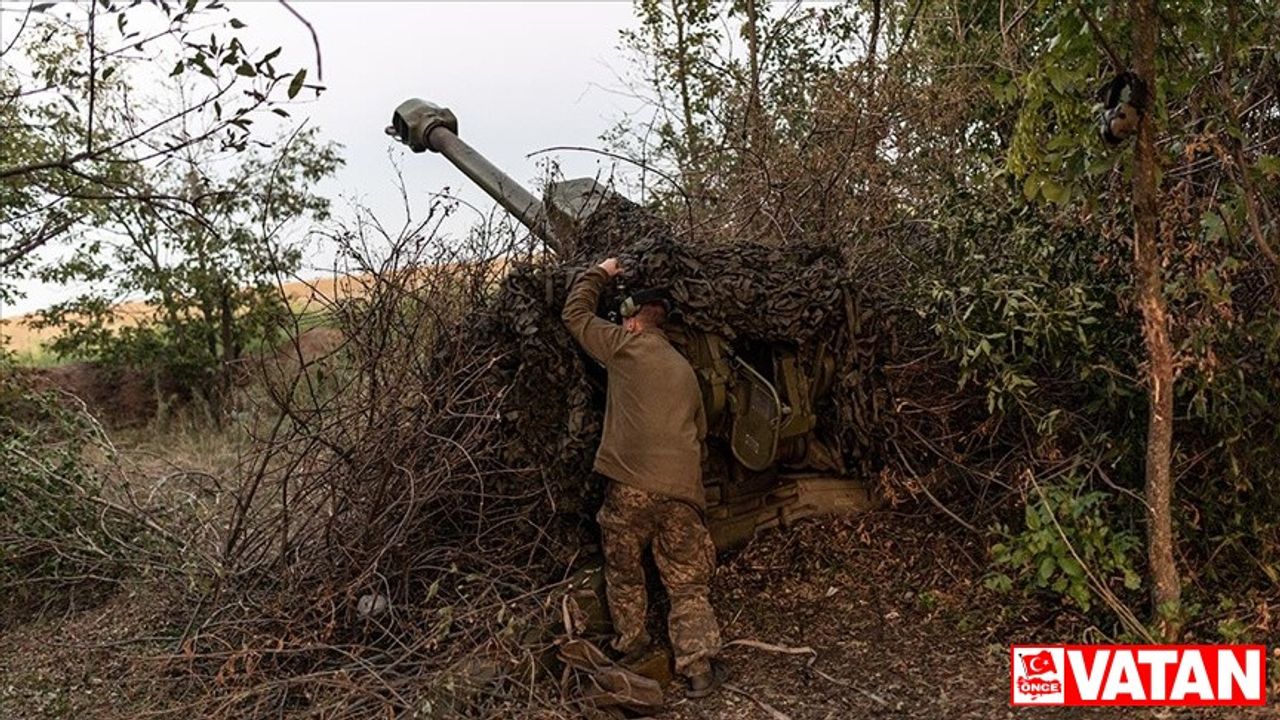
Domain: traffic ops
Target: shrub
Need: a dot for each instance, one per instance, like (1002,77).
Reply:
(61,539)
(1069,536)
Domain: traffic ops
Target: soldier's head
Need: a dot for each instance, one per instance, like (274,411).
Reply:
(645,310)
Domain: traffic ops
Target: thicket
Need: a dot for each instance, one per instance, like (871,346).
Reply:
(76,525)
(48,490)
(953,152)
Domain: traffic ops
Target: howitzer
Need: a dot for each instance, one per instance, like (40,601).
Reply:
(768,464)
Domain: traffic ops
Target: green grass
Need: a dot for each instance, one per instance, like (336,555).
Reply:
(314,318)
(305,320)
(38,357)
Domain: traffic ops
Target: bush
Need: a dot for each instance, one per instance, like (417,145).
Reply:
(1030,323)
(1069,539)
(1046,357)
(61,539)
(1020,302)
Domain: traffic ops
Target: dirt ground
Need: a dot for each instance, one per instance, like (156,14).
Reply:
(889,604)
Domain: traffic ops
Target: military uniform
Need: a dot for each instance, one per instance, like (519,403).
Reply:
(651,451)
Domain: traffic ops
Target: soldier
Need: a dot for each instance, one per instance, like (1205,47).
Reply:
(651,452)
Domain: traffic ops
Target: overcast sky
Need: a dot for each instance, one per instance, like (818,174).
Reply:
(520,76)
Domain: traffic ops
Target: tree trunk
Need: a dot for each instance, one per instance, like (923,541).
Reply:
(692,145)
(1166,588)
(751,121)
(230,347)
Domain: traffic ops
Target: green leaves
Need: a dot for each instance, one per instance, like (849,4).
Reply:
(1212,226)
(1054,147)
(1065,524)
(1037,185)
(1268,165)
(1055,192)
(57,528)
(1031,186)
(1018,304)
(295,85)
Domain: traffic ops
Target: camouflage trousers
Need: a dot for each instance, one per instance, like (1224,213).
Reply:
(632,520)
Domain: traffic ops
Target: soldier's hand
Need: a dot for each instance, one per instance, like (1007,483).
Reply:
(611,266)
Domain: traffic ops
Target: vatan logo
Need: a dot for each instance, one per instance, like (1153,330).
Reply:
(1037,676)
(1138,675)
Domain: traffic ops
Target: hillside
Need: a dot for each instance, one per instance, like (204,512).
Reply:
(309,295)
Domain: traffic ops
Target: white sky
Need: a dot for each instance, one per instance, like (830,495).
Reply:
(520,76)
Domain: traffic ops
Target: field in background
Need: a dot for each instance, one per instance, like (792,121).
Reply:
(30,344)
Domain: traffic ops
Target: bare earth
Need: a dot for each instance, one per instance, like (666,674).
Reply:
(899,625)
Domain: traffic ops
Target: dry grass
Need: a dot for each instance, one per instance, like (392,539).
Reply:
(30,343)
(305,297)
(91,651)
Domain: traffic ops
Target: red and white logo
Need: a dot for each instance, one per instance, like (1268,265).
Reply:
(1140,675)
(1037,676)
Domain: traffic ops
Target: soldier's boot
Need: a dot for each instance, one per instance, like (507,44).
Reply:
(708,681)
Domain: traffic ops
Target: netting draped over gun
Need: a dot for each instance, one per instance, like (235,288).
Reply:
(784,347)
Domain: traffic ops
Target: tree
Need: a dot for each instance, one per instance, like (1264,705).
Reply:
(1185,202)
(1165,586)
(730,84)
(209,274)
(79,128)
(678,38)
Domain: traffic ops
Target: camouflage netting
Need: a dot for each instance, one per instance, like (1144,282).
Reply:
(746,292)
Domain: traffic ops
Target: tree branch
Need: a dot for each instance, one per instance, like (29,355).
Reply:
(315,39)
(1116,63)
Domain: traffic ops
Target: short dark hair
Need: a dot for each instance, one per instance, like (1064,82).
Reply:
(654,313)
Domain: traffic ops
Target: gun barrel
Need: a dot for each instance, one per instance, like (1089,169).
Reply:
(425,126)
(511,195)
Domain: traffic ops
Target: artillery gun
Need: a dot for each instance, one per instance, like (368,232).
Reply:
(767,465)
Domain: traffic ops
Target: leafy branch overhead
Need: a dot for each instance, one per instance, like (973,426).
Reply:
(90,120)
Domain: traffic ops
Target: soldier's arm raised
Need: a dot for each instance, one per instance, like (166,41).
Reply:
(600,338)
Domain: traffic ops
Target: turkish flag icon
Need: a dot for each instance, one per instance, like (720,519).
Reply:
(1039,664)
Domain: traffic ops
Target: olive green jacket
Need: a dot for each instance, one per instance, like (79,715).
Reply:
(654,424)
